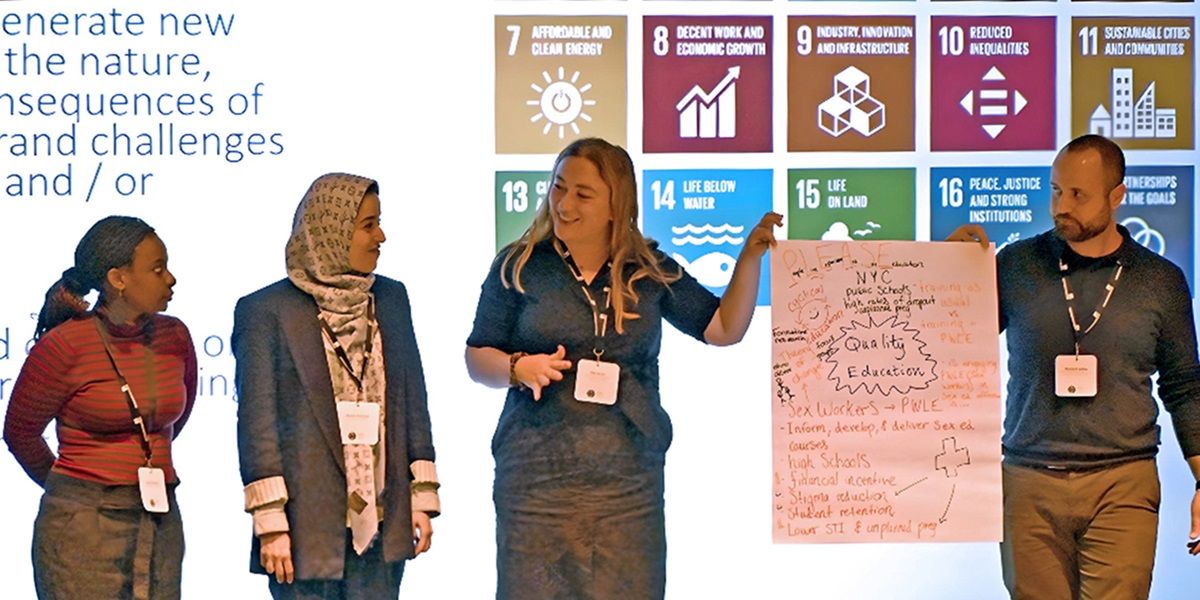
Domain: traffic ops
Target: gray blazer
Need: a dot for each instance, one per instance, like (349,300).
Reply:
(287,421)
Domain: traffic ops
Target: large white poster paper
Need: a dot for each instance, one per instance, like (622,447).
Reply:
(885,392)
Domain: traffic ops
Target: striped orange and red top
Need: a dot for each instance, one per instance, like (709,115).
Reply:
(69,379)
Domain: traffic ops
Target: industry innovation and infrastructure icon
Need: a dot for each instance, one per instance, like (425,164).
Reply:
(851,106)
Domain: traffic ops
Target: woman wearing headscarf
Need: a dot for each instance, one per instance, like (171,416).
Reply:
(570,321)
(119,382)
(333,429)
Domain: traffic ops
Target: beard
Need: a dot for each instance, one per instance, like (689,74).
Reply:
(1074,230)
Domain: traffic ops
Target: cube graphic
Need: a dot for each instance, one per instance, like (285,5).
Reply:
(834,115)
(852,84)
(867,116)
(851,106)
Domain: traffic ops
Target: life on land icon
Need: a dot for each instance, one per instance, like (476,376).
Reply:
(710,114)
(839,231)
(1125,118)
(851,106)
(560,102)
(993,104)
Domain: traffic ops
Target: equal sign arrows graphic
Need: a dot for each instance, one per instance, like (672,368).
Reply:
(993,102)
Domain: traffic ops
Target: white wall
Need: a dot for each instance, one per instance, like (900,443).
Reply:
(402,92)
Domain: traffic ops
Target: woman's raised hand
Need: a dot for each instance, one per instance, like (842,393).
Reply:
(762,237)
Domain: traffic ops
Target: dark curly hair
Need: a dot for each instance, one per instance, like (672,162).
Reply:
(107,245)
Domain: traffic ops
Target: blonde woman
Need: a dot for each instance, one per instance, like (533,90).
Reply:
(570,320)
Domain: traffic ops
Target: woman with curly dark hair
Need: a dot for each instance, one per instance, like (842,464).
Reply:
(119,382)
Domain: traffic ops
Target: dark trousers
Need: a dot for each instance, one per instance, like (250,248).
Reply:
(365,577)
(95,541)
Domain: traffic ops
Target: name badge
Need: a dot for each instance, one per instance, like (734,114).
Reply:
(1076,375)
(596,381)
(153,485)
(359,422)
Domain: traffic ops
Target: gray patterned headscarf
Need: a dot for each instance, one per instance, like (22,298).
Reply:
(318,253)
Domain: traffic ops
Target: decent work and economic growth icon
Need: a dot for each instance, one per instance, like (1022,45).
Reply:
(993,104)
(560,102)
(710,114)
(851,106)
(1128,119)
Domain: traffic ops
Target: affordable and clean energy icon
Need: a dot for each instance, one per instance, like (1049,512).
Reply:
(993,104)
(561,102)
(1128,119)
(851,106)
(715,268)
(710,114)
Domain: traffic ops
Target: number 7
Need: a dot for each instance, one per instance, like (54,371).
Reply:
(515,30)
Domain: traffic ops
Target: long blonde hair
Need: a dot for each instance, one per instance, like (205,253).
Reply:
(631,256)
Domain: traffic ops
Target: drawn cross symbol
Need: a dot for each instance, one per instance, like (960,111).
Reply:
(952,457)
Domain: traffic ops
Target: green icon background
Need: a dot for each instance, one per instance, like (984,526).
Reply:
(518,195)
(851,204)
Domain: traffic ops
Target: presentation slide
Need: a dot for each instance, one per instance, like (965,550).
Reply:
(859,121)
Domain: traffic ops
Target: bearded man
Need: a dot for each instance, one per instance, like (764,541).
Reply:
(1091,315)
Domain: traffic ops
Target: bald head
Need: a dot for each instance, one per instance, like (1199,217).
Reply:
(1112,159)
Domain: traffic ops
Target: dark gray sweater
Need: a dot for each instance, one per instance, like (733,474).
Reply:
(1147,327)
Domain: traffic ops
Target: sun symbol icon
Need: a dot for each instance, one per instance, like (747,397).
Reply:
(560,102)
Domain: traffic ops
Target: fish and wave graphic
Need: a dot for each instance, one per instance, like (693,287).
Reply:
(707,234)
(713,269)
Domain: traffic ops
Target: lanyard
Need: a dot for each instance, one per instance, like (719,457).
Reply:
(1070,297)
(599,315)
(134,412)
(343,358)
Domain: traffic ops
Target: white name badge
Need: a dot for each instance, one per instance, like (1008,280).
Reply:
(596,381)
(1076,375)
(359,422)
(153,485)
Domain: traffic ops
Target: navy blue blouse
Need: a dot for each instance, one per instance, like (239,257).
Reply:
(553,311)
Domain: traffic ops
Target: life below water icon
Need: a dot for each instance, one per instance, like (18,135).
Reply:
(713,269)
